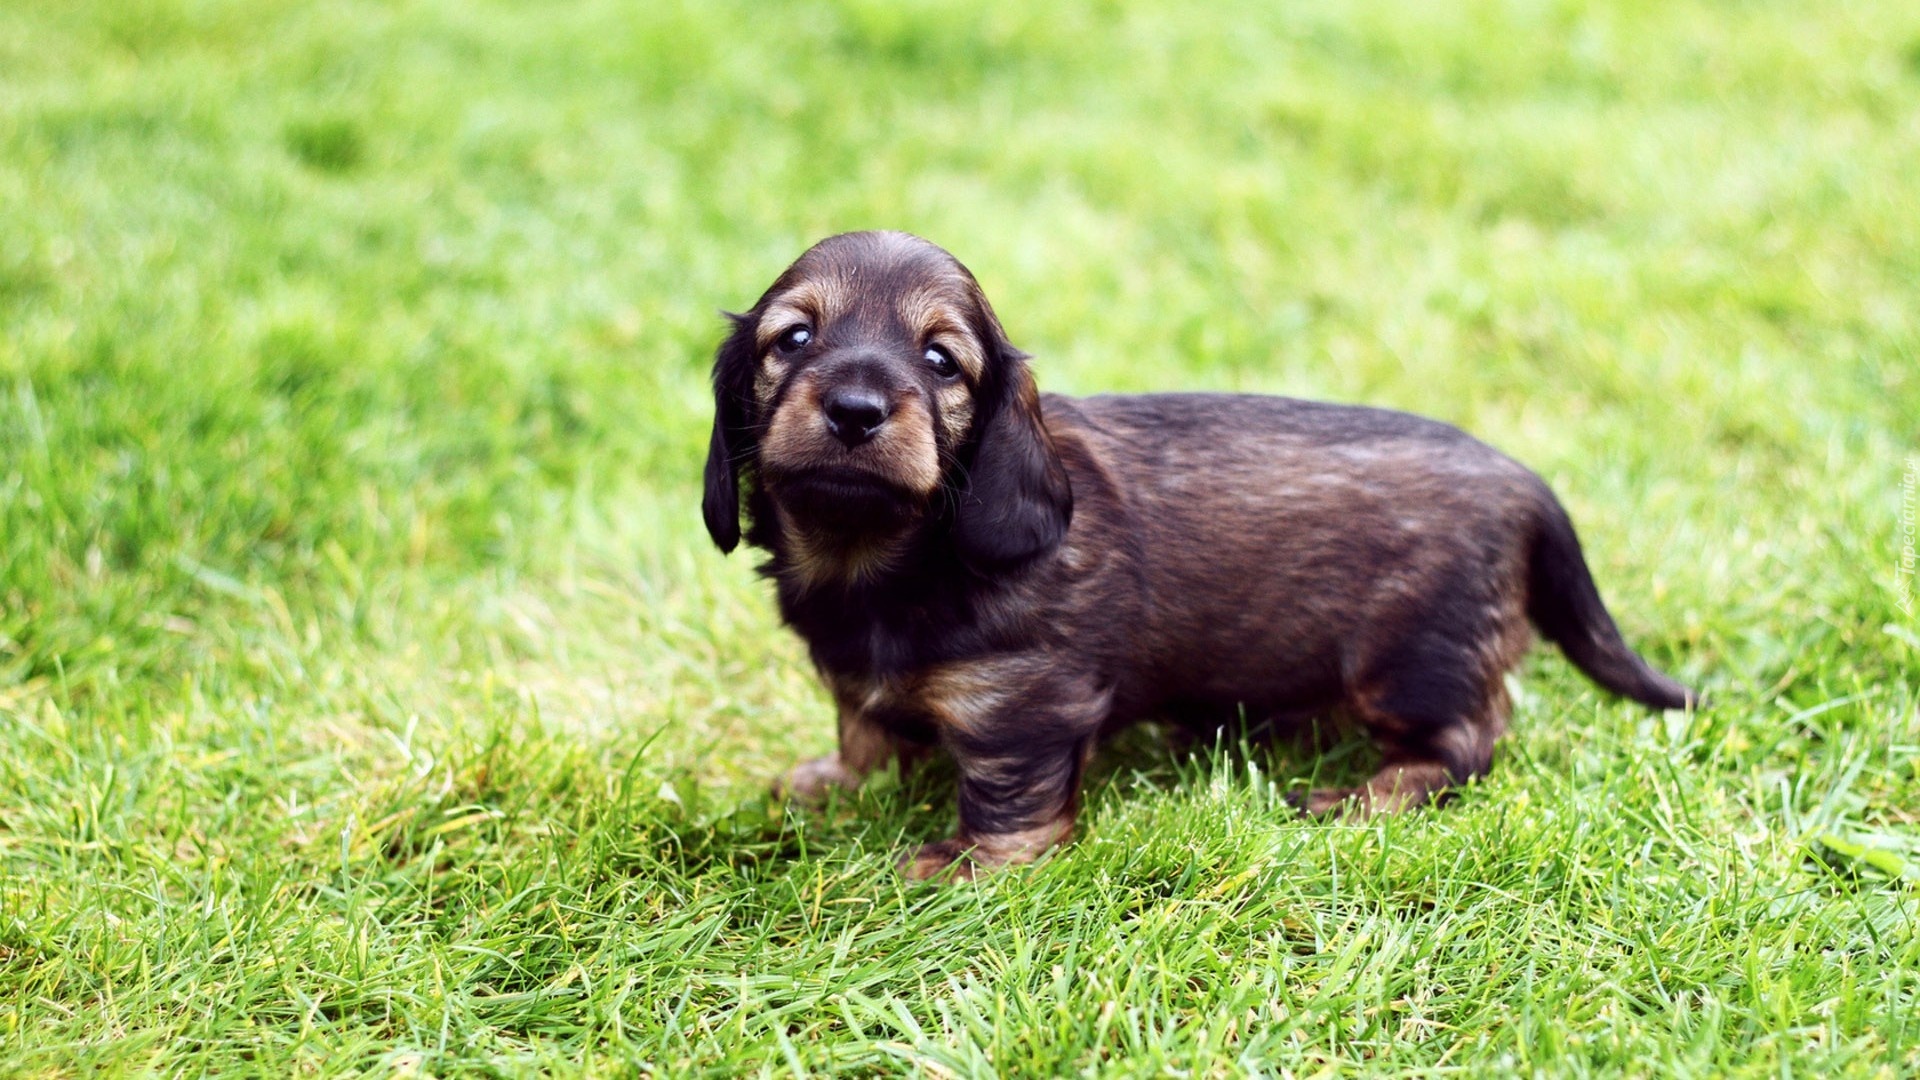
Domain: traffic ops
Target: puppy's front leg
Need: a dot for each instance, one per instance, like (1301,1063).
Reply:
(864,747)
(1019,795)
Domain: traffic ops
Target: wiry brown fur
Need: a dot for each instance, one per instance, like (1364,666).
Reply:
(1008,575)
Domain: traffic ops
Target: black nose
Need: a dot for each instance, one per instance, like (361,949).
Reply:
(854,413)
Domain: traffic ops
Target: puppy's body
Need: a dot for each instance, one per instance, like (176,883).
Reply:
(1080,564)
(1282,546)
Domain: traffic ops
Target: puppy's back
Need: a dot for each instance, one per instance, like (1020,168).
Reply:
(1207,466)
(1277,533)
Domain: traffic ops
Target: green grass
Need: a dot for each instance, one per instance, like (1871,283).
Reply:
(372,701)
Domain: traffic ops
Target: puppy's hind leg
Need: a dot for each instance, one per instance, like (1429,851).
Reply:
(1435,710)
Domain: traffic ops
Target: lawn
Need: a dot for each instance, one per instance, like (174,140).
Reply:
(372,701)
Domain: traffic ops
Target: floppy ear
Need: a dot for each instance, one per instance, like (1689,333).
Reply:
(732,442)
(1016,502)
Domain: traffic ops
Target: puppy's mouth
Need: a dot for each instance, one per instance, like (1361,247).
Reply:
(843,499)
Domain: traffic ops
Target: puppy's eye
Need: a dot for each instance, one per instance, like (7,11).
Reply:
(793,339)
(941,361)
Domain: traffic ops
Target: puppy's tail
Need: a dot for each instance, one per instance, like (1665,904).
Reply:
(1564,604)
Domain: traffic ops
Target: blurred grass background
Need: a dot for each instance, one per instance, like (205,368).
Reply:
(370,698)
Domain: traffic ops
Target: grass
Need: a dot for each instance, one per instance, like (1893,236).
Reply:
(372,702)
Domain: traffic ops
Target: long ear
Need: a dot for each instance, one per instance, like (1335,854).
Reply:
(1017,501)
(731,441)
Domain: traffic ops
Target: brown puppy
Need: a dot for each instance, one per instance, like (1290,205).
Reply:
(1008,575)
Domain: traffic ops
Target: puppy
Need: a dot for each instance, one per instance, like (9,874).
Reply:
(1008,575)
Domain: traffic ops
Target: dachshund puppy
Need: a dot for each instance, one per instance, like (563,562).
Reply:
(1008,575)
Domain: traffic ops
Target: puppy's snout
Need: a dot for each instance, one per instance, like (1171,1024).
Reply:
(854,413)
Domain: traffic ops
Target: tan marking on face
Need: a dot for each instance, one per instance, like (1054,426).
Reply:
(903,451)
(933,316)
(956,412)
(908,443)
(767,379)
(796,427)
(814,301)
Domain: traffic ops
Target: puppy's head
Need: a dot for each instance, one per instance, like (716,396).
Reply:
(871,393)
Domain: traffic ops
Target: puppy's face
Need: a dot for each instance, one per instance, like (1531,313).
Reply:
(869,381)
(866,360)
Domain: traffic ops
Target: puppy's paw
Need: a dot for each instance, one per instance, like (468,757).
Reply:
(1358,804)
(946,860)
(809,781)
(1335,804)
